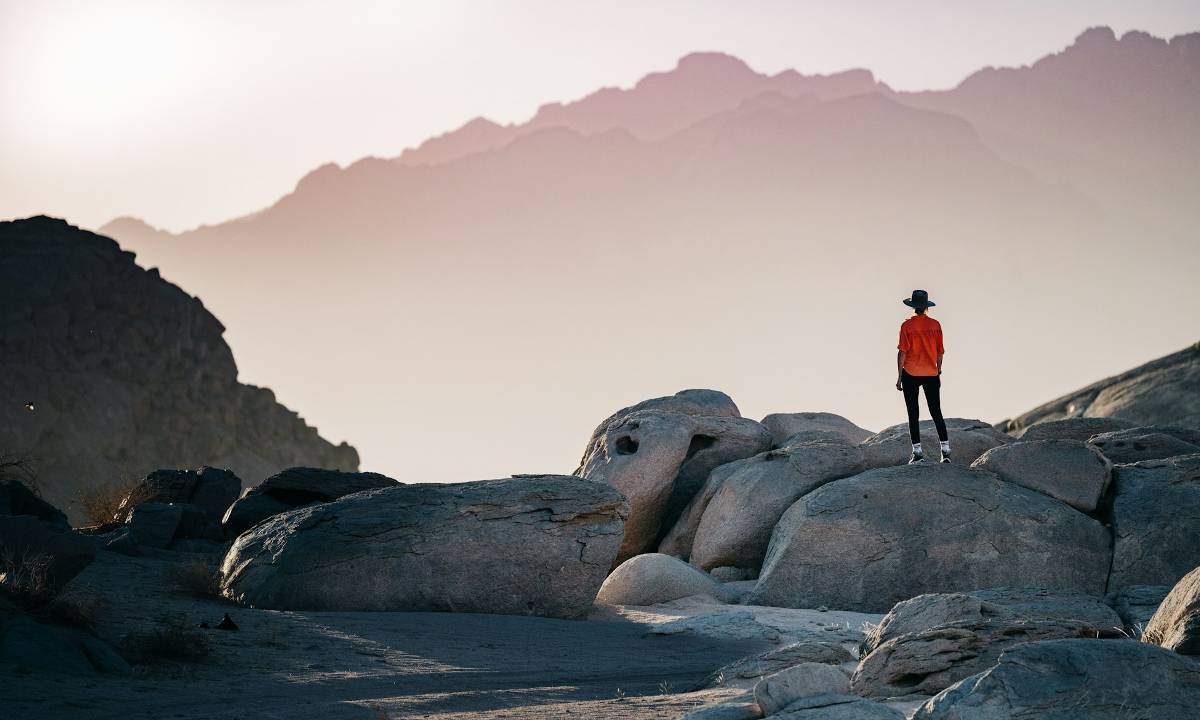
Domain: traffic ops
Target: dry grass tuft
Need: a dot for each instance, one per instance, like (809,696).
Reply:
(170,639)
(102,504)
(25,577)
(195,577)
(75,608)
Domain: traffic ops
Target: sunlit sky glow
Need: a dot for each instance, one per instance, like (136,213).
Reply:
(189,113)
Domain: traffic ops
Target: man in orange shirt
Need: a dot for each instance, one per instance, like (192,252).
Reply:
(919,365)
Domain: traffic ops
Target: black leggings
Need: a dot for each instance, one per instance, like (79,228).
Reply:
(933,398)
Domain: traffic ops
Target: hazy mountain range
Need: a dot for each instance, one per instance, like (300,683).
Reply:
(485,297)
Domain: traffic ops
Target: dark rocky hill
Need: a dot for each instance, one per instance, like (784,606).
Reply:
(110,371)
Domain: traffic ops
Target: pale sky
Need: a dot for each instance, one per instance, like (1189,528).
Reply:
(189,113)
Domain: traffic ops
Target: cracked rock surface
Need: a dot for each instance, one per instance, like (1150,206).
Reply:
(529,545)
(1155,516)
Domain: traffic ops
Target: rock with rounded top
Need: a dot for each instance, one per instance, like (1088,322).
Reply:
(527,545)
(660,460)
(38,558)
(1062,679)
(778,690)
(293,488)
(736,525)
(1066,470)
(925,612)
(1146,443)
(869,541)
(1176,624)
(747,671)
(655,578)
(153,524)
(929,661)
(834,706)
(713,403)
(968,440)
(785,425)
(211,489)
(1156,510)
(1136,604)
(17,499)
(1076,428)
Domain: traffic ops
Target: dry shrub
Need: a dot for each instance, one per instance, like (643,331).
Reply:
(75,608)
(171,638)
(102,504)
(25,577)
(195,577)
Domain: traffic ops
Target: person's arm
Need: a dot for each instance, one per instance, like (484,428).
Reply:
(940,363)
(900,367)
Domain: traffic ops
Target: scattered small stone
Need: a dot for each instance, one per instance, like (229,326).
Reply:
(227,623)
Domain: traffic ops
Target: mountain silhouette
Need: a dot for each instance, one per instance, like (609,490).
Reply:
(500,286)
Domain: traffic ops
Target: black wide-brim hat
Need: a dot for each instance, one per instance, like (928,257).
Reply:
(919,299)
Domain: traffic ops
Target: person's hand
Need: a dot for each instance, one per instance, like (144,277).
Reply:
(899,386)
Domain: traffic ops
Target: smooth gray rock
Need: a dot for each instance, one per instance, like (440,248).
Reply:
(968,440)
(17,499)
(727,574)
(528,545)
(293,488)
(776,691)
(38,558)
(1176,624)
(741,513)
(741,707)
(211,489)
(1136,604)
(659,461)
(745,672)
(1155,516)
(153,524)
(655,578)
(1165,391)
(1074,679)
(838,707)
(1066,470)
(929,661)
(28,646)
(925,612)
(1146,443)
(1077,428)
(685,402)
(783,426)
(869,541)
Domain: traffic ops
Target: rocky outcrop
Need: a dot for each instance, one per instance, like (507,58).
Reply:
(744,500)
(28,647)
(17,499)
(1176,624)
(124,373)
(932,610)
(1079,428)
(654,578)
(293,488)
(1066,470)
(212,490)
(775,692)
(929,661)
(1165,391)
(1098,680)
(835,706)
(968,440)
(37,558)
(528,545)
(748,670)
(1154,518)
(869,541)
(1147,443)
(785,425)
(707,403)
(659,460)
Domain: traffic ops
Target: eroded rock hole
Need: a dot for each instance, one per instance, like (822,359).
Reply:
(699,442)
(626,445)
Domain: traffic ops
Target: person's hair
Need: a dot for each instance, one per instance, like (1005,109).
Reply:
(920,311)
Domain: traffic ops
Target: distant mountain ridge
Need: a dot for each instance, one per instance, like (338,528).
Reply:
(687,222)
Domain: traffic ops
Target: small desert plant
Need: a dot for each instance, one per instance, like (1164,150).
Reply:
(195,577)
(75,608)
(102,504)
(870,636)
(665,688)
(25,577)
(170,639)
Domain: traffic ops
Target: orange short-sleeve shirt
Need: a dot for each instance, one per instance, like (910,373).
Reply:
(921,343)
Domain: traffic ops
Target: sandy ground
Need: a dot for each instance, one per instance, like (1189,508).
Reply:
(619,663)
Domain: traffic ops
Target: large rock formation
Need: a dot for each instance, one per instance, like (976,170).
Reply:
(968,440)
(653,578)
(1165,391)
(529,545)
(1176,624)
(784,425)
(123,373)
(1153,442)
(1077,428)
(1155,518)
(868,541)
(293,488)
(1066,470)
(743,501)
(659,460)
(1061,679)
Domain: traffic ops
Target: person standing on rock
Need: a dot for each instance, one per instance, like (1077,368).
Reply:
(919,365)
